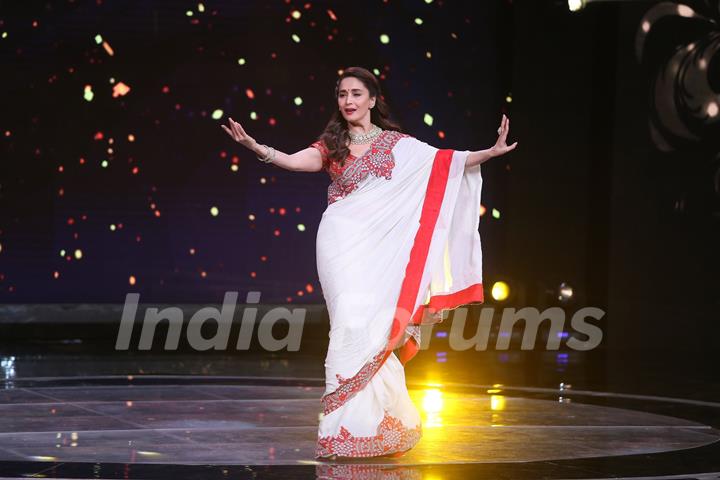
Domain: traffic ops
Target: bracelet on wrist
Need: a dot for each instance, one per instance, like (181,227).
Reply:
(269,157)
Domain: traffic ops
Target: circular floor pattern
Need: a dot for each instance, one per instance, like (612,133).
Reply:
(263,424)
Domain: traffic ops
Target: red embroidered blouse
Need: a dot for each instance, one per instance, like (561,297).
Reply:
(377,161)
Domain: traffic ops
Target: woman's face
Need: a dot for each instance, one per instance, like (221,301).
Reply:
(354,99)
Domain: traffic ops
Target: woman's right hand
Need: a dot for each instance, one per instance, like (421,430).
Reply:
(237,133)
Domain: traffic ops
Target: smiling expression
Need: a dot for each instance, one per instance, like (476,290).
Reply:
(354,99)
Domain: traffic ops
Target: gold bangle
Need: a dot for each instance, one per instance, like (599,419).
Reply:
(267,157)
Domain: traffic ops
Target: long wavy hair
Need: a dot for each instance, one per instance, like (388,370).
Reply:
(336,134)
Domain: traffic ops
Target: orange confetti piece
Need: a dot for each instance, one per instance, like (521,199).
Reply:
(120,89)
(108,48)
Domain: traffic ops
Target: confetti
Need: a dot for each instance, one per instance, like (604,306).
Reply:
(120,90)
(100,174)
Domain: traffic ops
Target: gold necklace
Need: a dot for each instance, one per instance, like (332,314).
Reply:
(363,138)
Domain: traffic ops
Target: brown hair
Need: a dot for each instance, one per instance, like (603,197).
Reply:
(336,134)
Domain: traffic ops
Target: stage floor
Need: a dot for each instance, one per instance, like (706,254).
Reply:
(221,426)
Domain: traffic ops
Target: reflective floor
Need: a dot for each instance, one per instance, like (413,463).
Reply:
(71,406)
(162,426)
(258,424)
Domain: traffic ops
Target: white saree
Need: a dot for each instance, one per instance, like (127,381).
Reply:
(398,240)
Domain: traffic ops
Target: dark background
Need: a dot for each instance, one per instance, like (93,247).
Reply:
(592,197)
(183,155)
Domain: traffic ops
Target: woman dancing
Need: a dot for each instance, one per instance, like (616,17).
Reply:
(397,245)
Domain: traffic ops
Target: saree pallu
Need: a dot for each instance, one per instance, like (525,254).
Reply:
(398,241)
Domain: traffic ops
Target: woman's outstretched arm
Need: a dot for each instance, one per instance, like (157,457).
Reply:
(306,160)
(500,148)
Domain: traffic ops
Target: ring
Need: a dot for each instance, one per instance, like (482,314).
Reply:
(499,130)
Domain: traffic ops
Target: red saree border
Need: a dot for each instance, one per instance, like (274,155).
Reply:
(450,301)
(432,204)
(391,437)
(418,255)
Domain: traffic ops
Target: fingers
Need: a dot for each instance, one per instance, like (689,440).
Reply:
(229,132)
(501,144)
(509,148)
(238,129)
(504,125)
(503,135)
(233,126)
(241,130)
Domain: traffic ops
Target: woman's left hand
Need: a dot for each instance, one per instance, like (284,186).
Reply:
(501,147)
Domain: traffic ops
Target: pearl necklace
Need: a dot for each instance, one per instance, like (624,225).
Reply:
(363,138)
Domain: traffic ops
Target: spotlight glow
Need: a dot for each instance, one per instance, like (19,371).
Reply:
(500,291)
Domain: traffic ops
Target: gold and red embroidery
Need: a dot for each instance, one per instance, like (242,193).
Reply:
(320,145)
(391,437)
(348,387)
(378,161)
